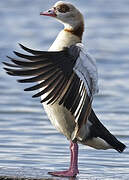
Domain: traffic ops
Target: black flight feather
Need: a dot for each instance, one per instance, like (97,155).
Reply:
(55,76)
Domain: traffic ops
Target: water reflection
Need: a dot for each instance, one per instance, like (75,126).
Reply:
(64,178)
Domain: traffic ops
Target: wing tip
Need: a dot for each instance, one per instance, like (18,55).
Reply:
(16,53)
(22,46)
(4,63)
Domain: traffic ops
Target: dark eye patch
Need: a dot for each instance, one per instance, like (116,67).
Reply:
(63,8)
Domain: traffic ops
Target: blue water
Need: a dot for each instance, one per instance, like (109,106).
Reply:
(29,144)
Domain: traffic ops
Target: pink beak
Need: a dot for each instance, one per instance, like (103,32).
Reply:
(50,12)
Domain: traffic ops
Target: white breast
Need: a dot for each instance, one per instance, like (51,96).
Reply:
(59,116)
(64,39)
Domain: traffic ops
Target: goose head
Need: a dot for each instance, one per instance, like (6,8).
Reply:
(68,15)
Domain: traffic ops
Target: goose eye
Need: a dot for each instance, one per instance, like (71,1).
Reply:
(63,8)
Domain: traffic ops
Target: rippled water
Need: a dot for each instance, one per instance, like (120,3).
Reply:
(29,144)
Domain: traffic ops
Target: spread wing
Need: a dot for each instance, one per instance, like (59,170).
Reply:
(67,77)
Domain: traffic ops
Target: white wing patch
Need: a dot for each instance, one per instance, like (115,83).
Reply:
(86,69)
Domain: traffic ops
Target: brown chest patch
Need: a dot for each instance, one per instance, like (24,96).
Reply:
(77,31)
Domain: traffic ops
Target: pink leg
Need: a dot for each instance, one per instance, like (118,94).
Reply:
(73,169)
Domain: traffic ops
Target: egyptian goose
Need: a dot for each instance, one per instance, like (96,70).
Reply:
(67,82)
